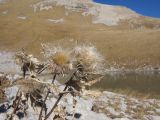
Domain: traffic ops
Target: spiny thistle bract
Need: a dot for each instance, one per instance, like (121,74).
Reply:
(28,63)
(30,84)
(4,81)
(22,57)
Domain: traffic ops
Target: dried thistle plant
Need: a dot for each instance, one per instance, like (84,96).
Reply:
(28,63)
(88,69)
(84,63)
(4,81)
(35,90)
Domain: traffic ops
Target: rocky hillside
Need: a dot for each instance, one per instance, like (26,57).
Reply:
(127,39)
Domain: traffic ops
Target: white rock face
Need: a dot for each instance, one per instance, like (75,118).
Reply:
(56,21)
(111,15)
(1,1)
(5,12)
(22,17)
(105,14)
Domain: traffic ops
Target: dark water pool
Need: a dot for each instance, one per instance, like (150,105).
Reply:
(140,82)
(133,83)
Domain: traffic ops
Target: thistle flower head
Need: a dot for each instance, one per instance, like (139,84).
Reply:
(89,58)
(61,58)
(57,56)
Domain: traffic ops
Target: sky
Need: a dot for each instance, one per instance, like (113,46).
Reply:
(145,7)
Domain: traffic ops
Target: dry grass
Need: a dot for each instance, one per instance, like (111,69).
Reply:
(122,45)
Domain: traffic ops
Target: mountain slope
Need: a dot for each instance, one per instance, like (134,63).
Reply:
(123,36)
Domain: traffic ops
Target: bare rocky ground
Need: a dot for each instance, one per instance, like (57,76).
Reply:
(117,106)
(93,105)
